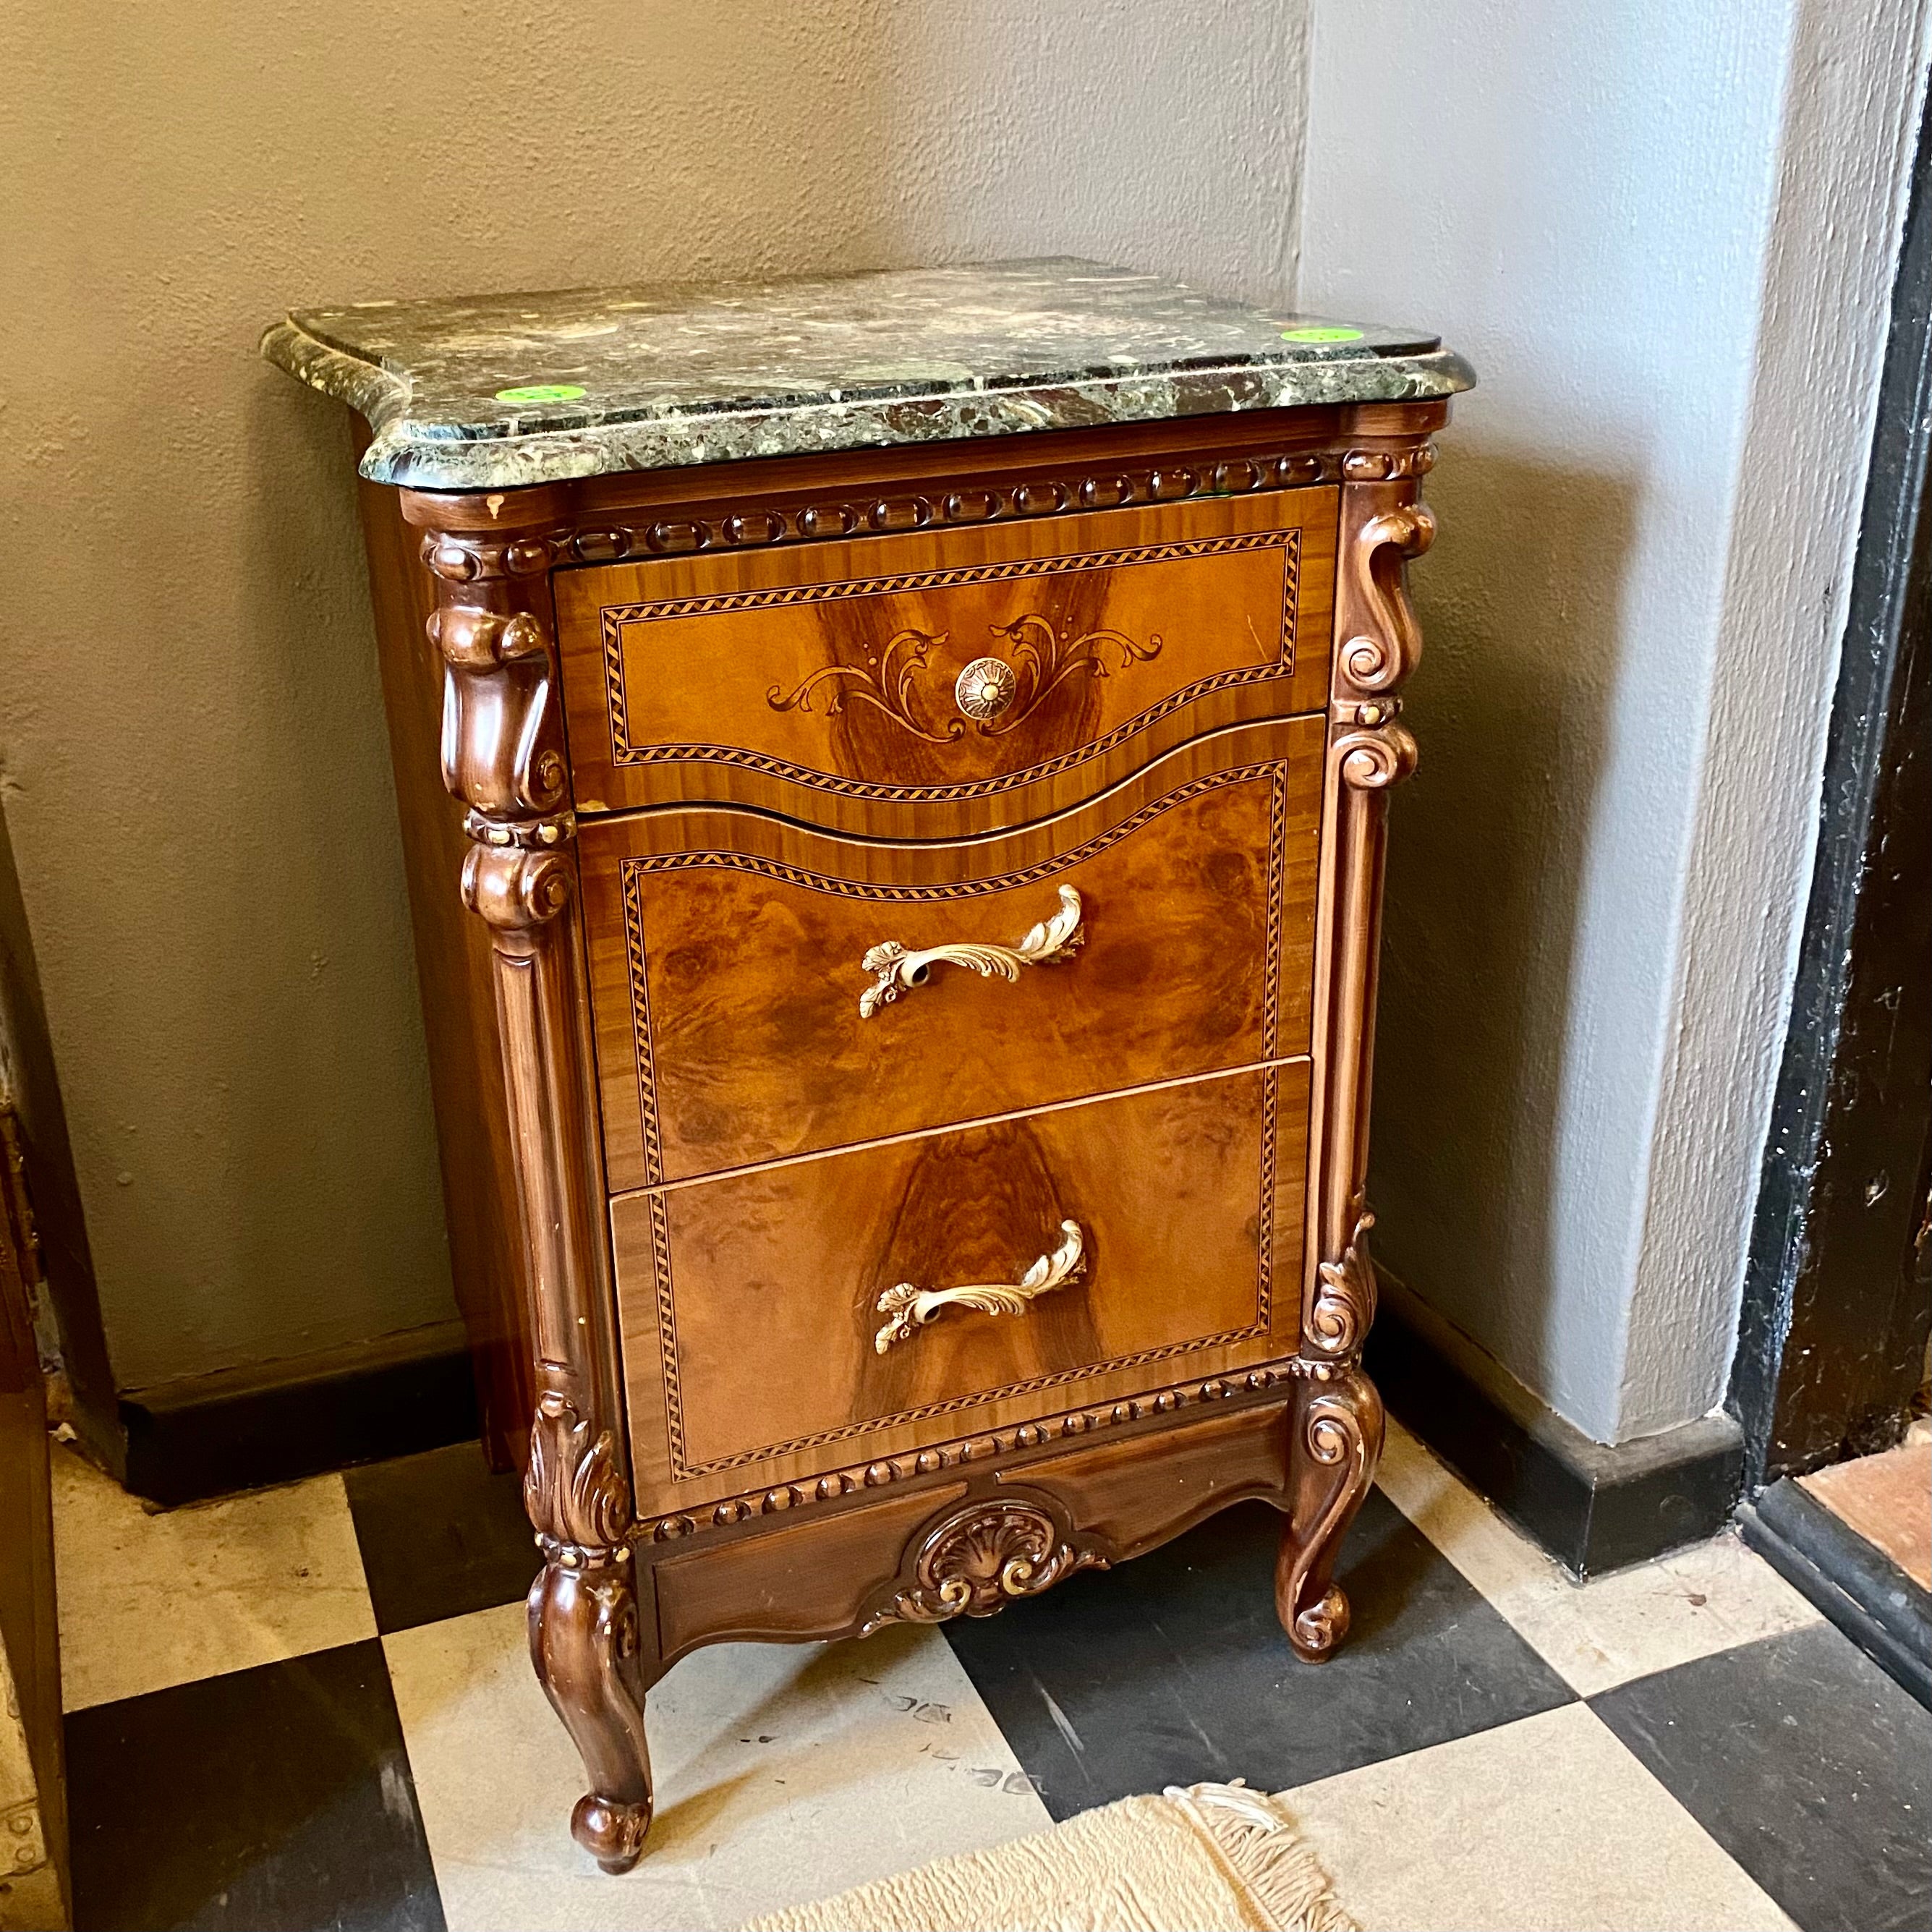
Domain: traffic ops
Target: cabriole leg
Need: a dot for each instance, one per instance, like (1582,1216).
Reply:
(586,1643)
(1337,1443)
(503,756)
(1337,1423)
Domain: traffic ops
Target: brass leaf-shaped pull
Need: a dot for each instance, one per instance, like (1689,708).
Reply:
(911,1308)
(895,970)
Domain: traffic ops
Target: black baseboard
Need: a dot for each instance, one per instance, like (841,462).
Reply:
(1594,1508)
(1858,1587)
(208,1435)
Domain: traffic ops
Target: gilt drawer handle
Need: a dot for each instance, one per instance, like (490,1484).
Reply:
(896,970)
(911,1308)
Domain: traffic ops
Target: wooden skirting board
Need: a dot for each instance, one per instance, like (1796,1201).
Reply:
(208,1435)
(1593,1507)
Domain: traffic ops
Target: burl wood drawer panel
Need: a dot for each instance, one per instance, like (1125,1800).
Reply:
(830,682)
(1148,1238)
(737,1020)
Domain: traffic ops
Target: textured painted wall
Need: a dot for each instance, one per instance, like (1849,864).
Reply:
(191,745)
(1663,235)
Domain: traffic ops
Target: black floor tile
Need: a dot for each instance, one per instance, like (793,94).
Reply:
(441,1535)
(1807,1764)
(265,1799)
(1172,1669)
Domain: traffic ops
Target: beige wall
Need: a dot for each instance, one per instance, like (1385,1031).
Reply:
(190,739)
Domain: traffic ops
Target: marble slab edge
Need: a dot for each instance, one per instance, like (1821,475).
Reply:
(406,455)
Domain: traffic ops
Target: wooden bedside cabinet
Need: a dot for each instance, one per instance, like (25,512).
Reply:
(903,1096)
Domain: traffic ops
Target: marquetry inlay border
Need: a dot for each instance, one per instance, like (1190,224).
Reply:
(635,870)
(614,618)
(1007,570)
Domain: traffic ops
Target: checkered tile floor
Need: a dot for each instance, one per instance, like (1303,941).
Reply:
(312,1708)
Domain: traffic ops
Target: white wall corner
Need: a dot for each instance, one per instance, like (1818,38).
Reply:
(1854,89)
(1579,202)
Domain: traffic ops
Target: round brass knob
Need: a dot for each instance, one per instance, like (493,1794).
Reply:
(985,688)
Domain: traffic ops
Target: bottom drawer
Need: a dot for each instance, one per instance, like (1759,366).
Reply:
(802,1319)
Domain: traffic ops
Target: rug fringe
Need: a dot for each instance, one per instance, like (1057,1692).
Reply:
(1254,1836)
(1218,1855)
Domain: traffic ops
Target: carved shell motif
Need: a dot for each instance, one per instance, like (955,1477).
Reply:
(978,1559)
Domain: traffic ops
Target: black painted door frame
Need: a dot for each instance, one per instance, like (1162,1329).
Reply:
(1837,1293)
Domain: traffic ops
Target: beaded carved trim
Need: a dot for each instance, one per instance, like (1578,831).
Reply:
(1068,1425)
(784,520)
(461,557)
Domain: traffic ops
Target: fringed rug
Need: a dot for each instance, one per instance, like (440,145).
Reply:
(1213,1857)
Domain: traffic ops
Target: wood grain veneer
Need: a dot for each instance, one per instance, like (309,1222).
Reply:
(822,680)
(726,951)
(748,1303)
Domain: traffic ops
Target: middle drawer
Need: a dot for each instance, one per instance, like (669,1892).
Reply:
(761,990)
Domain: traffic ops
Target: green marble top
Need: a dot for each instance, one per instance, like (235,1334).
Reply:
(490,392)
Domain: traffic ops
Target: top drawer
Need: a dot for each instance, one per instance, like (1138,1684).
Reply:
(930,684)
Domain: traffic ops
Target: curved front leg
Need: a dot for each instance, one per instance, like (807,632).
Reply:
(1332,1459)
(503,756)
(585,1644)
(1337,1423)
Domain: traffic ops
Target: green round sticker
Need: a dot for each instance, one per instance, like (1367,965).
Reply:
(541,392)
(1327,333)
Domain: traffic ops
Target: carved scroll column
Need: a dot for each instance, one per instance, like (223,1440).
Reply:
(1377,646)
(502,757)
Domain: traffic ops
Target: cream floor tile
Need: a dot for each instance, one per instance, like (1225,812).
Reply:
(147,1600)
(1595,1635)
(783,1773)
(1546,1822)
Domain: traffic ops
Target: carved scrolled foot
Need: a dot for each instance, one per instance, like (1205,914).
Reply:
(1338,1443)
(1320,1628)
(585,1644)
